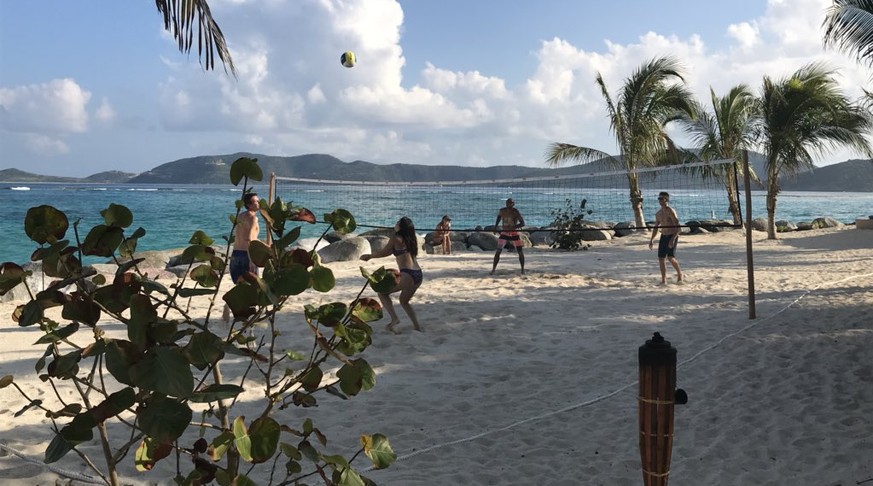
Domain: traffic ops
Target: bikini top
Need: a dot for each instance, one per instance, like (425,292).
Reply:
(398,252)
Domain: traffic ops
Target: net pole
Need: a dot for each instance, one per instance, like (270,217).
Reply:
(750,267)
(271,196)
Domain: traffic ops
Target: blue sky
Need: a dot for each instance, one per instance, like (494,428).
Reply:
(88,86)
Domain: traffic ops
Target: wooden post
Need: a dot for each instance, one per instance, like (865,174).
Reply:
(271,196)
(750,266)
(657,397)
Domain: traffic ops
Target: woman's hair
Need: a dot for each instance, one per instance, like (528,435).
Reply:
(406,232)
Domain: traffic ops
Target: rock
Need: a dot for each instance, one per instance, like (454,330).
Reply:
(804,226)
(625,228)
(345,250)
(387,232)
(783,226)
(596,235)
(335,236)
(759,224)
(826,222)
(485,241)
(542,237)
(308,244)
(377,242)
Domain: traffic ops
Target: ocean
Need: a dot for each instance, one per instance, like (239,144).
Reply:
(171,213)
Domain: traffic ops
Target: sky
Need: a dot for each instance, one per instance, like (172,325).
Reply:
(97,85)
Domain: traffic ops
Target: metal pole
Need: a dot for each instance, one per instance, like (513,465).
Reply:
(750,267)
(271,196)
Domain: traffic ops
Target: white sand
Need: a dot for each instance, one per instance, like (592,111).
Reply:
(530,380)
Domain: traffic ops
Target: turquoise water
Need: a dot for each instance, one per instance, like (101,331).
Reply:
(171,213)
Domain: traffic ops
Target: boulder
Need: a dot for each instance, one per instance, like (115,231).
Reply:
(783,226)
(543,237)
(377,243)
(804,226)
(485,241)
(759,224)
(387,232)
(309,243)
(335,236)
(345,250)
(826,222)
(625,228)
(593,234)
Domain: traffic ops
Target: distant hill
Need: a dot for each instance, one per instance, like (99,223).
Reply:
(850,176)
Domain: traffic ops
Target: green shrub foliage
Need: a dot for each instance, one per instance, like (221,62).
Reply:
(568,224)
(163,380)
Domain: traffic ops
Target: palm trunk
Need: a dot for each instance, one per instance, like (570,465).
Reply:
(636,199)
(772,191)
(733,198)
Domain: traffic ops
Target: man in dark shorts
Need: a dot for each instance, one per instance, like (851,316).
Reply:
(245,231)
(512,221)
(668,222)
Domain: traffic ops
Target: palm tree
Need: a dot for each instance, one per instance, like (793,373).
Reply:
(804,115)
(849,27)
(651,97)
(723,134)
(180,19)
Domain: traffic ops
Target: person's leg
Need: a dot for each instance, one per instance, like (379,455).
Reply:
(496,258)
(675,263)
(448,245)
(407,290)
(520,257)
(389,306)
(663,266)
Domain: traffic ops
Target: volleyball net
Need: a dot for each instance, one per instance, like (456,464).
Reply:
(697,192)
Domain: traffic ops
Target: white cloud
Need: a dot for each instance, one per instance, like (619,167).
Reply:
(105,112)
(55,107)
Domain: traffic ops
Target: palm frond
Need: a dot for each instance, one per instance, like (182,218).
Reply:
(182,17)
(848,26)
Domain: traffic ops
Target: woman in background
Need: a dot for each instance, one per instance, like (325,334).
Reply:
(442,234)
(404,246)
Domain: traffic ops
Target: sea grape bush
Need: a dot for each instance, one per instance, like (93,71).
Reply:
(568,225)
(163,381)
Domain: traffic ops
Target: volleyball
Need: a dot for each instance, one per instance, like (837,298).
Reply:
(348,59)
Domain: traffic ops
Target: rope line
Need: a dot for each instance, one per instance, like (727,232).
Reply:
(94,480)
(625,387)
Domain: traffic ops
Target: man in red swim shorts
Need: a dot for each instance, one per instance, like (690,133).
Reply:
(512,221)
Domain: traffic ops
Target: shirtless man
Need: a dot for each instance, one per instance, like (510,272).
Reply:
(512,221)
(245,231)
(442,234)
(666,219)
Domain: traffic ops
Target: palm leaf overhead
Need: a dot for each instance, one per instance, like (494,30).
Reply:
(183,17)
(849,27)
(804,116)
(653,96)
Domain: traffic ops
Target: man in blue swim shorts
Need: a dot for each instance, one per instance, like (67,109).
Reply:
(667,222)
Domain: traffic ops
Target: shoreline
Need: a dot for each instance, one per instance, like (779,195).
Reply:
(529,379)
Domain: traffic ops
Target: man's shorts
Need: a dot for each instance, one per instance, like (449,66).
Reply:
(509,237)
(664,249)
(239,264)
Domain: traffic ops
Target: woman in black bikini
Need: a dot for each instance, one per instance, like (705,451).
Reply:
(404,246)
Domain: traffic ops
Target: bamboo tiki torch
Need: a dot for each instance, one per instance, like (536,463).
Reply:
(657,395)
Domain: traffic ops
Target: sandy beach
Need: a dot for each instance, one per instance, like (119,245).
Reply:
(531,379)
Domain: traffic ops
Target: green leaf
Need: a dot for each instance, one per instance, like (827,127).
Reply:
(57,449)
(81,310)
(114,404)
(11,275)
(149,452)
(259,253)
(295,356)
(65,366)
(383,280)
(332,314)
(219,445)
(322,279)
(6,381)
(164,370)
(204,349)
(348,477)
(117,216)
(200,238)
(355,376)
(291,280)
(367,310)
(59,334)
(45,224)
(264,435)
(102,241)
(31,313)
(120,356)
(195,292)
(245,167)
(288,238)
(241,298)
(312,379)
(377,448)
(205,276)
(163,419)
(142,315)
(341,220)
(241,439)
(290,451)
(213,393)
(127,247)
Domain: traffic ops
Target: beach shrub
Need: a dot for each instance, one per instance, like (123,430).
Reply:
(162,380)
(568,225)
